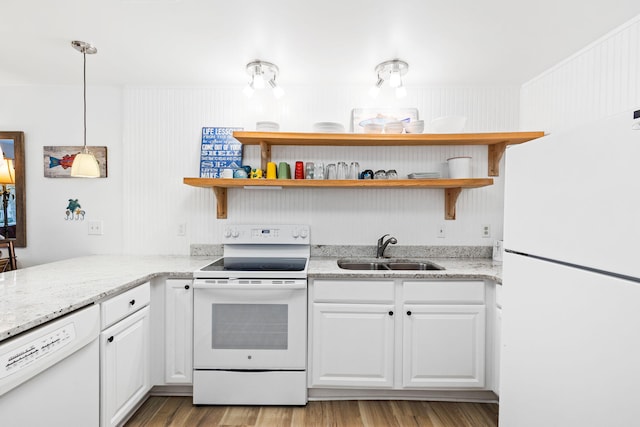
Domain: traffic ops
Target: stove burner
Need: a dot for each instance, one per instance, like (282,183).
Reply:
(257,264)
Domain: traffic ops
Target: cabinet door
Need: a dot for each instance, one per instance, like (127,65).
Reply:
(353,345)
(443,346)
(124,366)
(179,332)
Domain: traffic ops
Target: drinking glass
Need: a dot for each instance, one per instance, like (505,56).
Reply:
(342,170)
(354,170)
(331,171)
(318,172)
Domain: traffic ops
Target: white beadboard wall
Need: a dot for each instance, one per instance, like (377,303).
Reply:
(161,141)
(598,81)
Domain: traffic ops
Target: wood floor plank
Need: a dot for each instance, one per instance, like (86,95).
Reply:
(179,412)
(147,411)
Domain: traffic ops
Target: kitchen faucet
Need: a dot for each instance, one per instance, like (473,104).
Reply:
(382,245)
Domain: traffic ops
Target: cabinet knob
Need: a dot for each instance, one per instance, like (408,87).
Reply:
(409,313)
(186,286)
(110,339)
(390,313)
(132,302)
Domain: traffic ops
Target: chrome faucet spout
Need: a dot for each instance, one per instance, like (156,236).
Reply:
(382,245)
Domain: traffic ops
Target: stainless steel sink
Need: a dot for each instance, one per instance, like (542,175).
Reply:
(387,264)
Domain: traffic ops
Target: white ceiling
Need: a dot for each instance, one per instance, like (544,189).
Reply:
(209,42)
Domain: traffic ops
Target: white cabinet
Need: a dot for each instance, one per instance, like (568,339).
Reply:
(397,334)
(124,354)
(178,331)
(443,341)
(443,345)
(352,345)
(497,339)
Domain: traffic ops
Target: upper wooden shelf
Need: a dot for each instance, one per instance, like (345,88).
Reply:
(496,142)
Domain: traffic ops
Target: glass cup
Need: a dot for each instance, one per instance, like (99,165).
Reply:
(354,170)
(392,174)
(342,170)
(318,172)
(309,169)
(331,171)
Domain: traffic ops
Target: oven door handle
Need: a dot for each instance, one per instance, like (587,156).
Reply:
(236,285)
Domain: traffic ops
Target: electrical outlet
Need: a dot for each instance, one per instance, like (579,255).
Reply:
(486,230)
(441,231)
(95,228)
(182,229)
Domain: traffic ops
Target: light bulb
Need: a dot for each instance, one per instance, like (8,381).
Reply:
(401,92)
(374,91)
(394,78)
(248,90)
(278,92)
(258,80)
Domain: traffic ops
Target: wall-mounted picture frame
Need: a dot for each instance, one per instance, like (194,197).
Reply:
(58,160)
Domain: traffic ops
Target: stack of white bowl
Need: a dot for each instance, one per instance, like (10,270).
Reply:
(328,127)
(267,126)
(414,126)
(393,127)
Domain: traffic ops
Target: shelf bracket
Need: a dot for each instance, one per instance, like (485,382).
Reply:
(221,202)
(265,155)
(450,199)
(495,153)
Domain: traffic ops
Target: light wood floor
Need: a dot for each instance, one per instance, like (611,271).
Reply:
(178,411)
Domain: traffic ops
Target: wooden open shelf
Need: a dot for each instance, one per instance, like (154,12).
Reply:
(496,142)
(451,187)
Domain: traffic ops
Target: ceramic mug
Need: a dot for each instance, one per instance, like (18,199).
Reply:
(226,173)
(271,170)
(284,172)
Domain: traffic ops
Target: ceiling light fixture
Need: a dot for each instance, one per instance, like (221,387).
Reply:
(391,71)
(261,72)
(85,164)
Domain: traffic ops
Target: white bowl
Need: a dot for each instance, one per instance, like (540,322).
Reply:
(393,127)
(448,124)
(416,126)
(373,128)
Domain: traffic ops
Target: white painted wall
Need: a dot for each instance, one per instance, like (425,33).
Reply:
(52,115)
(598,81)
(162,131)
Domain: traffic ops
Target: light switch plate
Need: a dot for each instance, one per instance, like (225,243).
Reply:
(95,228)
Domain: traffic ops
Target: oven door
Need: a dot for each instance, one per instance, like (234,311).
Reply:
(250,324)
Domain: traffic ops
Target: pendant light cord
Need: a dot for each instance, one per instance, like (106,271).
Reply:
(84,98)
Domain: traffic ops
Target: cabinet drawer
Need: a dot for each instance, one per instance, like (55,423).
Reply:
(356,291)
(124,304)
(444,292)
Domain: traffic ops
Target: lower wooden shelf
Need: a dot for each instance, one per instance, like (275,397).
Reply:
(451,187)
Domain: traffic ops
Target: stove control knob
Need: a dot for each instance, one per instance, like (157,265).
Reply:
(295,233)
(304,233)
(235,232)
(227,232)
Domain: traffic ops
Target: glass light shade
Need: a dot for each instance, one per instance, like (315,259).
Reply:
(258,80)
(7,172)
(374,91)
(394,78)
(85,165)
(248,91)
(401,92)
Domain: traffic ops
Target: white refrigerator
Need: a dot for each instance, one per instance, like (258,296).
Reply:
(571,279)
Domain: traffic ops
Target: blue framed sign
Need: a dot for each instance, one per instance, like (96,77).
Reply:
(219,150)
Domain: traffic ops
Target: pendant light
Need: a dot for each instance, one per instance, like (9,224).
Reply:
(85,164)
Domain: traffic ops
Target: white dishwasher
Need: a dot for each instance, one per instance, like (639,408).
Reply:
(50,375)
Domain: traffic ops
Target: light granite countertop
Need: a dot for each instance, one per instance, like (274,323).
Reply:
(35,295)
